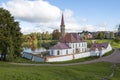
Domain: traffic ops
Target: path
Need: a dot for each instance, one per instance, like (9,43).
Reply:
(113,58)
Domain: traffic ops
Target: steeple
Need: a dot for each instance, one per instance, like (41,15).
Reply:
(62,21)
(119,28)
(62,27)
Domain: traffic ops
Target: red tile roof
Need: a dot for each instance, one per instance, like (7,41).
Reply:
(60,45)
(71,37)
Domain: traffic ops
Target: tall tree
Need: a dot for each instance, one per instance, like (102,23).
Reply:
(112,36)
(10,35)
(56,35)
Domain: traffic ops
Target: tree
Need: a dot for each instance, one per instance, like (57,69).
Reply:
(10,35)
(56,35)
(117,39)
(100,35)
(112,36)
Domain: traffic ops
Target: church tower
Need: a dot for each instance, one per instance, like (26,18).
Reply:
(119,28)
(62,27)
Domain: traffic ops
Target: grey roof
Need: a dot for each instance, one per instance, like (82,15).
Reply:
(99,46)
(60,45)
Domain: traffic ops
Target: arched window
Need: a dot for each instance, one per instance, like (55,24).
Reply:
(52,52)
(66,51)
(58,52)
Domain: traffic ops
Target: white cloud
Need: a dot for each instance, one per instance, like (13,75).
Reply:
(33,11)
(41,16)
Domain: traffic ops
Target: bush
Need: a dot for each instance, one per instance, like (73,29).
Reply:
(117,39)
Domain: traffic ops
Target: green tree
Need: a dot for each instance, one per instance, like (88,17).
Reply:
(112,36)
(10,35)
(101,35)
(56,35)
(117,39)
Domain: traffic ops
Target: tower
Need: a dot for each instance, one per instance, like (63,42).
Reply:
(119,28)
(118,33)
(62,27)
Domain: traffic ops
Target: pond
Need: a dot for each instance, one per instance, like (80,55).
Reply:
(34,48)
(34,52)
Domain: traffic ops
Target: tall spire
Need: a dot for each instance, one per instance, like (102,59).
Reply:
(62,21)
(62,27)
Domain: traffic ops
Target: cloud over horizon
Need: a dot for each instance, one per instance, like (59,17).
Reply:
(41,16)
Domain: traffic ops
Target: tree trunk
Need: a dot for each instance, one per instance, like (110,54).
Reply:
(1,57)
(4,57)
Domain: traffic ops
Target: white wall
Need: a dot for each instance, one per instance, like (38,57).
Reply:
(82,55)
(101,52)
(109,48)
(60,58)
(61,52)
(64,57)
(68,57)
(82,46)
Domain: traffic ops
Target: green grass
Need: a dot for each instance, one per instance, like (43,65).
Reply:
(108,53)
(95,71)
(117,73)
(23,60)
(112,42)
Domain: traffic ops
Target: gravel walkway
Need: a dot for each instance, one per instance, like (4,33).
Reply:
(113,58)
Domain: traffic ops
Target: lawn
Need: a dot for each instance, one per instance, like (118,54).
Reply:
(95,71)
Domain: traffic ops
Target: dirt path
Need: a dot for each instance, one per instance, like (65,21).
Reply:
(113,58)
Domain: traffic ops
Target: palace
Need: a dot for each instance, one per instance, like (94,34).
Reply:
(70,46)
(69,43)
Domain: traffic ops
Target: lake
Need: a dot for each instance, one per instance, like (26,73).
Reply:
(36,51)
(34,48)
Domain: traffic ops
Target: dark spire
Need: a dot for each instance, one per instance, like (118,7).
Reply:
(62,27)
(62,21)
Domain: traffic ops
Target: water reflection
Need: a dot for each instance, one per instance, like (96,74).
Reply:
(34,48)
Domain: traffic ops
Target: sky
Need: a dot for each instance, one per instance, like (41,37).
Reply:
(79,15)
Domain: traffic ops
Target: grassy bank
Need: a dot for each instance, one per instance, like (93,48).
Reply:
(108,53)
(94,71)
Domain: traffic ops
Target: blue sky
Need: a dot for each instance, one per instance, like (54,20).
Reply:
(44,15)
(96,11)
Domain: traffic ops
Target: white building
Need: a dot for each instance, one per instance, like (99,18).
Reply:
(70,43)
(99,49)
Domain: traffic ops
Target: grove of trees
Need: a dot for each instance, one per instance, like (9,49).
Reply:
(10,36)
(104,35)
